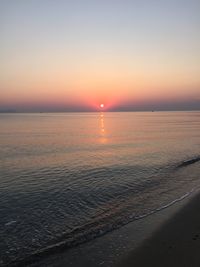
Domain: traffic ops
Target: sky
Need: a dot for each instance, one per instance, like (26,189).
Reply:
(73,55)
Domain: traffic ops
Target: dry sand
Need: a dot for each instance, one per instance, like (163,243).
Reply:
(176,243)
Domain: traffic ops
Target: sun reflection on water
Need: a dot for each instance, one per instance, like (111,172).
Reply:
(103,138)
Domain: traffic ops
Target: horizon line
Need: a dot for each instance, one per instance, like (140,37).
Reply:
(97,111)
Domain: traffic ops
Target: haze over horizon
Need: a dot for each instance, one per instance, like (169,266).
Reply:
(75,55)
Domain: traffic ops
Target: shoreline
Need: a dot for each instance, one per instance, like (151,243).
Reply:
(116,247)
(175,243)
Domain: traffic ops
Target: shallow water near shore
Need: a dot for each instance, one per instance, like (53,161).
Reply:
(70,177)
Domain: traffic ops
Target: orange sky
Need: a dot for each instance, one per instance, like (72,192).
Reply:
(98,53)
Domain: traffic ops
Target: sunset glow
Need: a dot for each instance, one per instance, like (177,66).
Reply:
(72,56)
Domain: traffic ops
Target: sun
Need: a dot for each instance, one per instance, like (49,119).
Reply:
(101,105)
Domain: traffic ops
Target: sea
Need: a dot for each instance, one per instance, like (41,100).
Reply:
(67,178)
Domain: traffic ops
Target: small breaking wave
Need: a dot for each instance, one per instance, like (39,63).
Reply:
(116,216)
(80,236)
(189,162)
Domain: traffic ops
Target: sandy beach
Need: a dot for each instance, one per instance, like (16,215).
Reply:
(176,243)
(170,237)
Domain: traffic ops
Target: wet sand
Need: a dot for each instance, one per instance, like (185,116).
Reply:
(156,240)
(176,243)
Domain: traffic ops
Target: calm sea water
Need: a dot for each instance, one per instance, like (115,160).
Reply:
(67,178)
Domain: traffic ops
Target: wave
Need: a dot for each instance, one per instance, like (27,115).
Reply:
(189,162)
(82,238)
(100,225)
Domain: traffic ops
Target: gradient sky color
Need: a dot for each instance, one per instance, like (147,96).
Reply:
(76,54)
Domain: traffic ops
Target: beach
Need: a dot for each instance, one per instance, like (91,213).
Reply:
(170,237)
(175,243)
